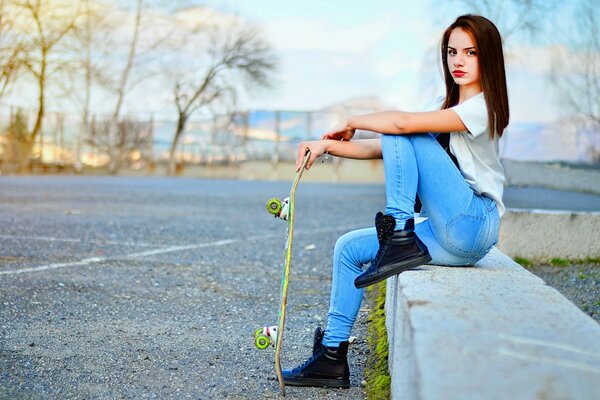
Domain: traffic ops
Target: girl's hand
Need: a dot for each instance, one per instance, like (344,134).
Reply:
(340,132)
(317,149)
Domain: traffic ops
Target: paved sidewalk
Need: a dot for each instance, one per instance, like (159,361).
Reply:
(152,288)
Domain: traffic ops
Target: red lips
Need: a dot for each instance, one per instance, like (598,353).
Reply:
(458,73)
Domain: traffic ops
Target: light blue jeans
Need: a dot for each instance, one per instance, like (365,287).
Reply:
(461,228)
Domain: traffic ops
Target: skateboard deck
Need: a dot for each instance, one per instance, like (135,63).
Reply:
(284,210)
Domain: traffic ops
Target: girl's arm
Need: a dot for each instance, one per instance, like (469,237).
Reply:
(365,149)
(399,123)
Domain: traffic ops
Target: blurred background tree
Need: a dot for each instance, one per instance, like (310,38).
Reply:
(12,47)
(575,73)
(226,57)
(44,25)
(98,51)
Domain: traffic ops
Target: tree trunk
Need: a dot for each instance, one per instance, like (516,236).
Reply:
(181,121)
(25,163)
(130,60)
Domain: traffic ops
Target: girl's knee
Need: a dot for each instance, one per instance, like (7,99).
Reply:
(344,244)
(353,247)
(422,137)
(391,139)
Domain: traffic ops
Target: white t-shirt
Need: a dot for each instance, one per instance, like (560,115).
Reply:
(477,154)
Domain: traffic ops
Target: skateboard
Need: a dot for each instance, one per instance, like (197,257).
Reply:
(273,335)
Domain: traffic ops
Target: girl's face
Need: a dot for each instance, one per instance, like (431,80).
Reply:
(462,61)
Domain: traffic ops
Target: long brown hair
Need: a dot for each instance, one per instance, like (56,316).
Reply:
(488,45)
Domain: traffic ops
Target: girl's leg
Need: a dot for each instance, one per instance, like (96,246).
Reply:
(464,223)
(328,364)
(351,252)
(399,249)
(418,164)
(401,177)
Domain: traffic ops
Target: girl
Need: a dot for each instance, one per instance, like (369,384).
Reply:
(462,200)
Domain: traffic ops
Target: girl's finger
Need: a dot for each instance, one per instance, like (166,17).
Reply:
(311,160)
(300,157)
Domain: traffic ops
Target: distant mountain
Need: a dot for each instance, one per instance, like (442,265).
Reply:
(570,139)
(359,105)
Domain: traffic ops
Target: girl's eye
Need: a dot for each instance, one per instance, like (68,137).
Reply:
(472,53)
(452,52)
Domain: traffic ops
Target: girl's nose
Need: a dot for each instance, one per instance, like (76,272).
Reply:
(458,61)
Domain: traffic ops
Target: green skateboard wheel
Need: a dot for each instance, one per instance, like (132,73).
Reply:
(262,341)
(274,206)
(258,332)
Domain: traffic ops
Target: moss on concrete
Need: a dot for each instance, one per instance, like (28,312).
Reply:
(376,372)
(558,262)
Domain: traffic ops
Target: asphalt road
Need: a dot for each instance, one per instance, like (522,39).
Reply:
(153,287)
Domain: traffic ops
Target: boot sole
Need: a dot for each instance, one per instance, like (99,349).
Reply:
(394,270)
(316,382)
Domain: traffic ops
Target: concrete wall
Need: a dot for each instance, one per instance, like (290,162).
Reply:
(493,331)
(543,235)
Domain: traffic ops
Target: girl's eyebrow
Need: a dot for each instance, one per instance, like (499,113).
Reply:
(466,48)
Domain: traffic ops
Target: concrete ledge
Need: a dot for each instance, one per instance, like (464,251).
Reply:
(492,331)
(551,175)
(543,235)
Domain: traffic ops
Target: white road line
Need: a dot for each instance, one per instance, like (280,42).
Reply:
(86,261)
(42,238)
(180,248)
(93,260)
(172,249)
(70,240)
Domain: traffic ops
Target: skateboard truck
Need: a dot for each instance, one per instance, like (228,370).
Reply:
(263,337)
(279,208)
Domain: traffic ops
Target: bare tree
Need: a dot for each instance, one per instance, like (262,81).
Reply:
(125,74)
(236,57)
(124,143)
(46,23)
(12,46)
(513,16)
(132,48)
(88,47)
(575,72)
(119,139)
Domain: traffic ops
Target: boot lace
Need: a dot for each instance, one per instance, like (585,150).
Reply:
(384,229)
(318,339)
(316,354)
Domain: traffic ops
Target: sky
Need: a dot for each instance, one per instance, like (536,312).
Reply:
(338,50)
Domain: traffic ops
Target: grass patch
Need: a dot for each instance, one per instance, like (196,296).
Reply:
(559,262)
(582,276)
(591,260)
(377,373)
(562,262)
(523,261)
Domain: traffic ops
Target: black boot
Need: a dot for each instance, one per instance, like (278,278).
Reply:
(327,367)
(398,251)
